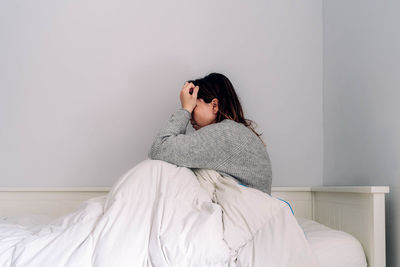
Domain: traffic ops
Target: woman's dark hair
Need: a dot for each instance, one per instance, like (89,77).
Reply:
(216,85)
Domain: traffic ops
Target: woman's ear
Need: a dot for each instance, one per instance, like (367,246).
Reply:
(214,104)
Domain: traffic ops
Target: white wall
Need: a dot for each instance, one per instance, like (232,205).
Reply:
(86,85)
(362,102)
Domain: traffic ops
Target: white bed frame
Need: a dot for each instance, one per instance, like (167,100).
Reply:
(358,210)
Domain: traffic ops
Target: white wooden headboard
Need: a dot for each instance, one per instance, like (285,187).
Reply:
(358,210)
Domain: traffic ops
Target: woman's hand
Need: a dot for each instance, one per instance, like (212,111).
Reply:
(188,100)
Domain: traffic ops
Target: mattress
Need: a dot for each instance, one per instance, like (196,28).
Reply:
(332,248)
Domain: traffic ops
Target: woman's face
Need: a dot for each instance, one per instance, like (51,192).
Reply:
(204,113)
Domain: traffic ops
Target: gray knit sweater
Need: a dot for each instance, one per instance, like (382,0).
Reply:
(228,147)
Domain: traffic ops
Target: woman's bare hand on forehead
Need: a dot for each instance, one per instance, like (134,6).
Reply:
(188,100)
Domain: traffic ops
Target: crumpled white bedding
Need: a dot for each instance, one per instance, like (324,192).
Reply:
(159,214)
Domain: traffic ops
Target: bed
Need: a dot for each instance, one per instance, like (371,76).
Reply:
(335,219)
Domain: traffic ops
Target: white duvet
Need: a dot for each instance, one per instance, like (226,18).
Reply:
(159,214)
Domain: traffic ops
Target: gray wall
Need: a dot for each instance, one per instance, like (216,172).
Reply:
(362,101)
(86,85)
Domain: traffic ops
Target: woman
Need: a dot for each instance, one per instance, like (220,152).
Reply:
(223,141)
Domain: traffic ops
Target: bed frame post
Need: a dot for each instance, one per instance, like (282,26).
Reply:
(378,247)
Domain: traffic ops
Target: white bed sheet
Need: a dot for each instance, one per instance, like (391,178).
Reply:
(29,220)
(164,215)
(333,248)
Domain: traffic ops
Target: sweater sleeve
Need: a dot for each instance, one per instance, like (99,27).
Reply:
(207,147)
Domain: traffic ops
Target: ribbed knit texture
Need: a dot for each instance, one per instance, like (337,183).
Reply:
(228,147)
